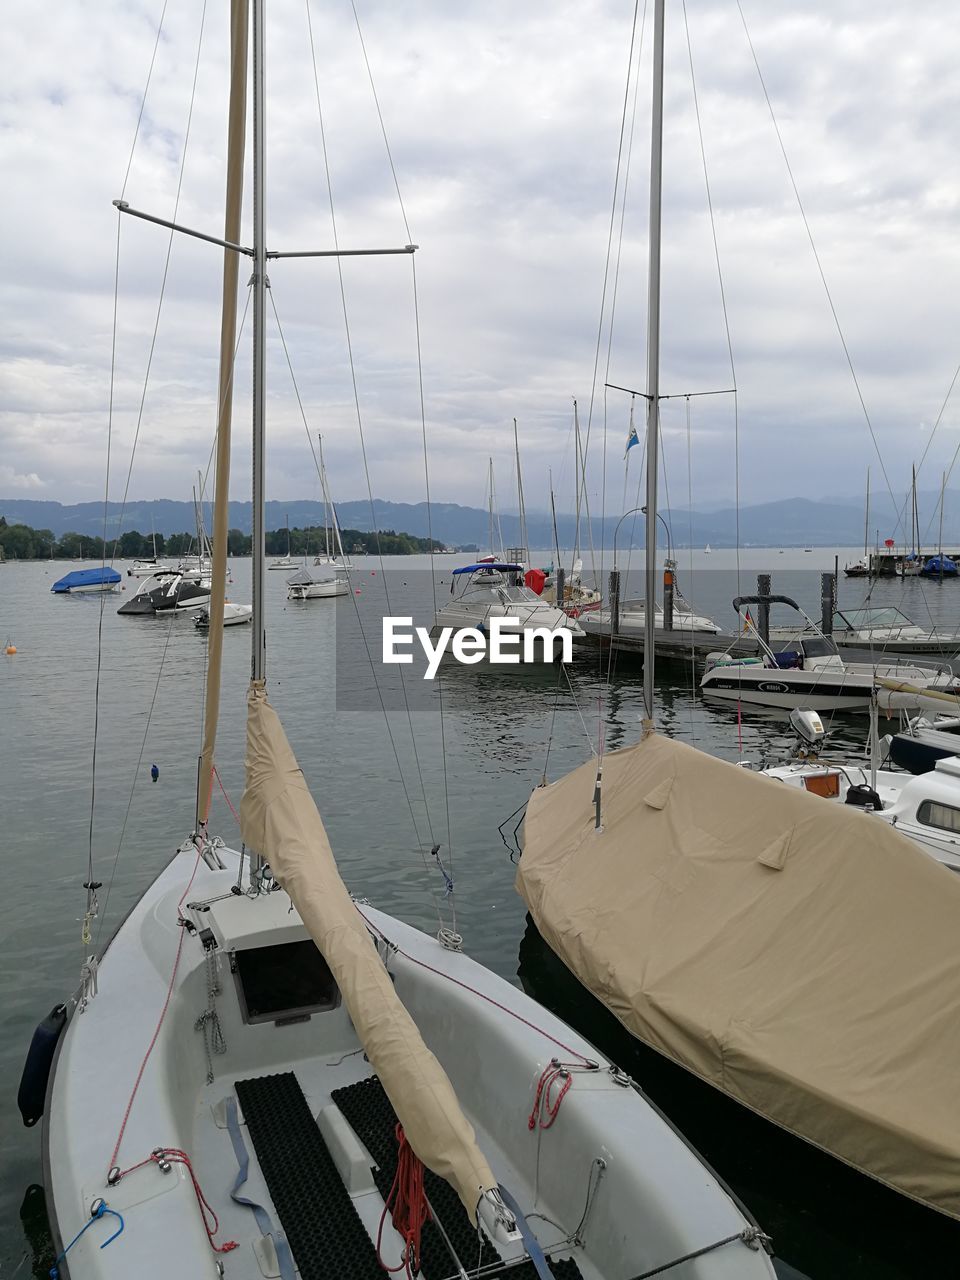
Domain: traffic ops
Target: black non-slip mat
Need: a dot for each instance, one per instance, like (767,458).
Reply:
(367,1109)
(324,1231)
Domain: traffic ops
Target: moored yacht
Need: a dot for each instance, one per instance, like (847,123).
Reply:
(304,585)
(808,671)
(495,589)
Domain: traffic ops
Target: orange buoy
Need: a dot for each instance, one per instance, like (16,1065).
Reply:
(11,649)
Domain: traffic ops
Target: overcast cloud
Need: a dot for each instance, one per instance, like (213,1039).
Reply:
(504,120)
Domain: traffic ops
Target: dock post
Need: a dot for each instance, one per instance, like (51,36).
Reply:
(668,568)
(763,608)
(561,579)
(614,602)
(828,602)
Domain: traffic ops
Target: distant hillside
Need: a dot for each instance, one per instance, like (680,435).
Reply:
(789,522)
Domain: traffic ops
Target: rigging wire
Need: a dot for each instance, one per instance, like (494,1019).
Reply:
(163,280)
(416,303)
(723,292)
(356,394)
(91,892)
(163,655)
(421,843)
(816,255)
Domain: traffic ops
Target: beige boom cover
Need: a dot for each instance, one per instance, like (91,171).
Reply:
(799,954)
(280,821)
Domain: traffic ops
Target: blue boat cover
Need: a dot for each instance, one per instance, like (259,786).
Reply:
(933,565)
(87,578)
(490,566)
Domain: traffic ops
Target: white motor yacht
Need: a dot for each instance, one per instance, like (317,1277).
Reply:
(494,589)
(881,627)
(809,672)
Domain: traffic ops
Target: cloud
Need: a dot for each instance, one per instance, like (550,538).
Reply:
(504,123)
(14,480)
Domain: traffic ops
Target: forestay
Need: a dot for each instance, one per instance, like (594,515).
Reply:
(797,955)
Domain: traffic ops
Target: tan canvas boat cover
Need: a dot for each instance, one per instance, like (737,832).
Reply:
(799,954)
(280,821)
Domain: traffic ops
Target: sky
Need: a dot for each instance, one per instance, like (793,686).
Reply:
(504,122)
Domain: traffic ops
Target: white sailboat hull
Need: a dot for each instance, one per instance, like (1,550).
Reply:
(317,590)
(655,1201)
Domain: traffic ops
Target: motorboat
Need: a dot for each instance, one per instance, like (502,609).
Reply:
(808,671)
(858,568)
(234,615)
(303,585)
(79,581)
(925,807)
(883,627)
(147,568)
(165,591)
(495,589)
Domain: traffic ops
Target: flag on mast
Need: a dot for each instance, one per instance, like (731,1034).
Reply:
(632,439)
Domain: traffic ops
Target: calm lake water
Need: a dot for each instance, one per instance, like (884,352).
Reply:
(378,812)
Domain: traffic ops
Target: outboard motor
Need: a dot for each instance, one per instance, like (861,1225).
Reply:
(863,796)
(810,732)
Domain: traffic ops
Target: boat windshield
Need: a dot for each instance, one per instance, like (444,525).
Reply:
(862,619)
(818,647)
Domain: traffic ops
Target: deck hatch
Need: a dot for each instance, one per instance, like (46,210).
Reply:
(285,982)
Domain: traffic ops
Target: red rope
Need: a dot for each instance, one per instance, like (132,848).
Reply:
(407,1205)
(216,774)
(211,1223)
(163,1014)
(206,1209)
(588,1062)
(544,1104)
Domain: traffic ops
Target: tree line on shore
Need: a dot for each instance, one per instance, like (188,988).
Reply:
(20,542)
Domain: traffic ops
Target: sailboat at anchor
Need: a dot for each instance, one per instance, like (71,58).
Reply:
(255,1058)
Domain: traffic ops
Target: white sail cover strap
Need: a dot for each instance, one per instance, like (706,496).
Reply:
(280,821)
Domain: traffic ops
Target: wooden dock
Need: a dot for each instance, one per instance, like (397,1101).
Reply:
(687,647)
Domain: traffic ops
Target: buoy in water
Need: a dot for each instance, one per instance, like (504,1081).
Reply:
(11,648)
(154,772)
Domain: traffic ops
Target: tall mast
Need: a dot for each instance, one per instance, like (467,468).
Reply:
(866,518)
(258,659)
(520,507)
(576,485)
(492,550)
(553,516)
(326,501)
(653,360)
(236,130)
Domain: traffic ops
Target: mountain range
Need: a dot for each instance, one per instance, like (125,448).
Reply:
(786,522)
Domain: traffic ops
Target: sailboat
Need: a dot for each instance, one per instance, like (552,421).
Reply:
(305,585)
(753,935)
(328,556)
(861,568)
(284,562)
(261,1068)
